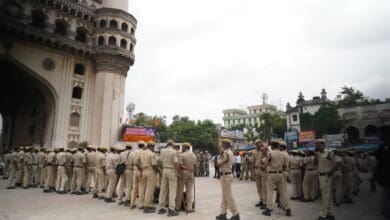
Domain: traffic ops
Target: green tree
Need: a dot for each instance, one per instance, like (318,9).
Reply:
(306,121)
(350,97)
(327,121)
(272,125)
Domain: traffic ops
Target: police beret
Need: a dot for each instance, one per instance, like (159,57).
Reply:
(226,141)
(141,143)
(129,146)
(186,144)
(103,148)
(258,140)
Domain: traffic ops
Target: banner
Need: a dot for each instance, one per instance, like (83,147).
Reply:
(291,136)
(307,136)
(135,134)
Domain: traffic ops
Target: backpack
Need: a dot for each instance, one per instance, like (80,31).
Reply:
(120,168)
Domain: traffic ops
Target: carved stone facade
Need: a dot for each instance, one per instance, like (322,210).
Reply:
(64,66)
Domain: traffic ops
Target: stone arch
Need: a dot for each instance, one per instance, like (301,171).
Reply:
(113,23)
(101,40)
(371,131)
(112,41)
(102,23)
(131,47)
(81,35)
(123,43)
(124,27)
(77,92)
(38,19)
(352,134)
(28,106)
(61,27)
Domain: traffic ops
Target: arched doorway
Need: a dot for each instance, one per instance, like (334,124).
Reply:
(27,105)
(352,134)
(371,131)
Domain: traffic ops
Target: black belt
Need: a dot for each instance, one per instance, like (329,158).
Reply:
(61,165)
(275,171)
(78,166)
(323,174)
(225,173)
(295,168)
(311,169)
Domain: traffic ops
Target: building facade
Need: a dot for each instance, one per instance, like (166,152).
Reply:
(361,122)
(251,117)
(64,65)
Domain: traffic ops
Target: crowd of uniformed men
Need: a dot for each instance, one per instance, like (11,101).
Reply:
(160,176)
(163,175)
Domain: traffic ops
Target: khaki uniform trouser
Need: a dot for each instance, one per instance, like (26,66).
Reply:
(259,182)
(100,183)
(19,173)
(278,180)
(49,176)
(88,175)
(41,173)
(296,183)
(244,172)
(6,168)
(347,186)
(168,183)
(77,179)
(11,175)
(308,184)
(125,185)
(62,178)
(186,181)
(69,174)
(326,195)
(227,201)
(337,183)
(34,175)
(147,186)
(111,176)
(136,185)
(26,175)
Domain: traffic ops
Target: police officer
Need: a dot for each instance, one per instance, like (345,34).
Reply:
(100,172)
(12,169)
(326,168)
(168,157)
(187,162)
(225,165)
(126,179)
(258,156)
(136,175)
(79,160)
(277,163)
(112,160)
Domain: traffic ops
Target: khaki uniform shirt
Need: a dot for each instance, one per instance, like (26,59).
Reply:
(79,159)
(69,159)
(91,158)
(277,161)
(309,163)
(326,161)
(187,161)
(61,158)
(112,160)
(147,159)
(20,156)
(14,158)
(225,161)
(28,160)
(100,160)
(125,157)
(52,158)
(135,157)
(168,157)
(41,158)
(295,162)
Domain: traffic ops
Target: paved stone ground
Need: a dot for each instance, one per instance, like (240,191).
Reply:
(32,204)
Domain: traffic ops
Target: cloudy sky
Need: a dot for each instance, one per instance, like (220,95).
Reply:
(198,57)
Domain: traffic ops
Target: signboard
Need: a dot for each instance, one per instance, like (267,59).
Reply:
(135,134)
(232,134)
(307,136)
(334,140)
(291,136)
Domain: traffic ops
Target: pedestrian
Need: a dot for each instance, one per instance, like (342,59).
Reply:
(169,160)
(326,162)
(225,164)
(277,164)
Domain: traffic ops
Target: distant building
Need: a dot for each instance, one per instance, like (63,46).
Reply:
(236,117)
(304,106)
(362,122)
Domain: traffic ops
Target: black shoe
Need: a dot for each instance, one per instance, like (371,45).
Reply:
(337,204)
(79,193)
(267,212)
(190,211)
(149,210)
(126,203)
(305,200)
(162,211)
(259,204)
(294,198)
(101,197)
(221,217)
(73,193)
(41,187)
(121,203)
(109,200)
(330,217)
(25,187)
(95,195)
(141,207)
(264,206)
(11,187)
(235,217)
(172,213)
(288,212)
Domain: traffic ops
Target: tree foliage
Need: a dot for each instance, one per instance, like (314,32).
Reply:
(351,97)
(272,125)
